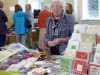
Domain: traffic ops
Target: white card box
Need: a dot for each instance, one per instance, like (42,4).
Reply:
(94,69)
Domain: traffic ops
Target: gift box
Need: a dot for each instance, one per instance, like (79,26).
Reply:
(86,46)
(66,63)
(88,38)
(98,39)
(73,45)
(69,53)
(94,69)
(97,54)
(83,55)
(98,48)
(88,42)
(97,58)
(81,67)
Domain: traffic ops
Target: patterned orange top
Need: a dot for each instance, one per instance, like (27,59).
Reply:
(42,18)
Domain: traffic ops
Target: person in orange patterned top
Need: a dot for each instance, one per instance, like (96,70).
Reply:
(42,18)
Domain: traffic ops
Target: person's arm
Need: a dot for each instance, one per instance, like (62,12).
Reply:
(58,41)
(63,40)
(47,33)
(5,20)
(5,17)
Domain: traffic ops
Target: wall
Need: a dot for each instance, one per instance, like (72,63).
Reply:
(79,12)
(7,5)
(48,2)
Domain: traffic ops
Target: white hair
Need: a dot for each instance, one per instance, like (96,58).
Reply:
(57,7)
(58,2)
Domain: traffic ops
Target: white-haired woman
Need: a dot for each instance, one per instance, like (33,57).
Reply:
(58,30)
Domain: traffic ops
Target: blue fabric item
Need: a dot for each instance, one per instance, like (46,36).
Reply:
(62,29)
(19,22)
(3,20)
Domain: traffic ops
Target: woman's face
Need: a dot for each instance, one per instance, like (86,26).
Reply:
(28,8)
(57,9)
(67,7)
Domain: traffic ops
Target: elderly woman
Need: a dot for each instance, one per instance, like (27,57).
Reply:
(29,15)
(58,30)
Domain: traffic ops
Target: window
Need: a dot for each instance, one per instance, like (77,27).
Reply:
(90,9)
(75,13)
(22,3)
(36,4)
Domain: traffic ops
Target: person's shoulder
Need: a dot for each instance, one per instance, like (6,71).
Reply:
(2,12)
(71,16)
(21,13)
(50,18)
(64,16)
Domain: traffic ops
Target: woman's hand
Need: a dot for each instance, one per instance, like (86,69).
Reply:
(51,43)
(58,41)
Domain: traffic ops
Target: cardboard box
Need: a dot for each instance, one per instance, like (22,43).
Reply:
(11,38)
(94,69)
(80,67)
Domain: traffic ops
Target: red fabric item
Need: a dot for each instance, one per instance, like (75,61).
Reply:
(80,67)
(42,18)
